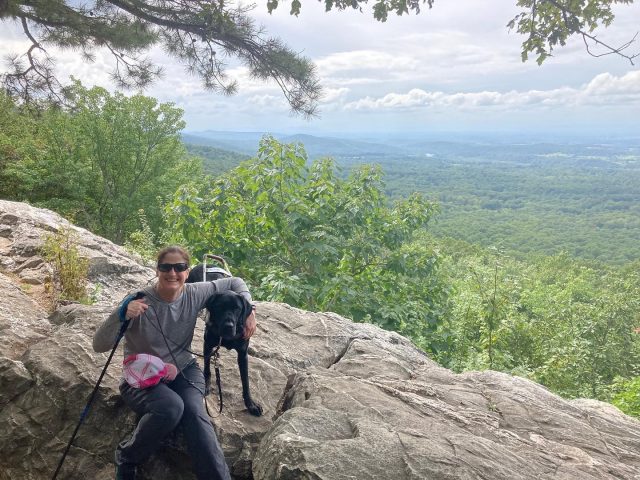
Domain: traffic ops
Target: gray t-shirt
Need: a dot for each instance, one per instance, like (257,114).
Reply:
(165,325)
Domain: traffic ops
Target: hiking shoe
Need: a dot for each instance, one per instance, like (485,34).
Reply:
(126,471)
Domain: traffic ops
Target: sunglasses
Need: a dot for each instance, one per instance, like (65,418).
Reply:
(178,267)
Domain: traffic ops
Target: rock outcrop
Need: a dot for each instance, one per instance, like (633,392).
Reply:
(341,400)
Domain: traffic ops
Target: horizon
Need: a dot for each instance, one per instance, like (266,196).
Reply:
(461,136)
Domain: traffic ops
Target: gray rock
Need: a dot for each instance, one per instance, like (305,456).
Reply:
(113,272)
(14,380)
(22,320)
(417,420)
(341,400)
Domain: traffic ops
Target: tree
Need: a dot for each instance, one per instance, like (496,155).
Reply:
(566,324)
(134,147)
(17,143)
(198,33)
(98,163)
(306,236)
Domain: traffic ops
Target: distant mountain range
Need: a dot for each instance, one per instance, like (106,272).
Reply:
(315,146)
(452,147)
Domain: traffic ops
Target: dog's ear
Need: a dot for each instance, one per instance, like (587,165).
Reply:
(212,301)
(195,274)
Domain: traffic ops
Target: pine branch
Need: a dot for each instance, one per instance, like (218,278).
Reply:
(192,31)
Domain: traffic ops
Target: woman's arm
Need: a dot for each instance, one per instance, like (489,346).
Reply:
(106,335)
(131,307)
(250,324)
(233,283)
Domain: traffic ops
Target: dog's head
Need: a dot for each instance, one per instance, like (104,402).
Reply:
(228,311)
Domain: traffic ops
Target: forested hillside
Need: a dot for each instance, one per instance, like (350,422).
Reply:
(306,234)
(356,239)
(215,160)
(571,195)
(527,201)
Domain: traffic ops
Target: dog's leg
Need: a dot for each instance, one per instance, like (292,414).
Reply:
(209,343)
(243,366)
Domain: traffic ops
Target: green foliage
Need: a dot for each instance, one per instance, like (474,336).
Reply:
(537,199)
(304,235)
(69,282)
(17,141)
(381,8)
(563,323)
(549,24)
(627,397)
(143,241)
(216,160)
(313,237)
(134,147)
(321,239)
(100,162)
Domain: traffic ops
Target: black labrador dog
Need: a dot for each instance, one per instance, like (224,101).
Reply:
(228,311)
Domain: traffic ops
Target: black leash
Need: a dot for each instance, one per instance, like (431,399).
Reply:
(216,363)
(216,367)
(123,329)
(175,361)
(175,344)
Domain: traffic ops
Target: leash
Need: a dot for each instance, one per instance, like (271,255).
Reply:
(176,344)
(85,411)
(175,361)
(216,364)
(216,367)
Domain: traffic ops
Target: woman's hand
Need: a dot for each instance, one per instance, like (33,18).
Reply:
(250,324)
(136,308)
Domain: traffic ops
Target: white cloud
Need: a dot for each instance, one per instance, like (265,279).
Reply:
(606,84)
(604,89)
(266,102)
(359,60)
(330,95)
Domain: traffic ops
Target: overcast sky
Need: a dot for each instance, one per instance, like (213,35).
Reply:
(453,68)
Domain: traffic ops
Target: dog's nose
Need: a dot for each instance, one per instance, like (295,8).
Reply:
(228,330)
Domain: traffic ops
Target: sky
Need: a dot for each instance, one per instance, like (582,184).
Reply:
(453,68)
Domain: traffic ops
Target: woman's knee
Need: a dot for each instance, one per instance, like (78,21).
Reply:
(194,408)
(171,411)
(167,409)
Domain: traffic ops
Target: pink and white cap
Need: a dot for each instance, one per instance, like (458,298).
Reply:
(143,370)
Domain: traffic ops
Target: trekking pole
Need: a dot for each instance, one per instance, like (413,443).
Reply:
(85,411)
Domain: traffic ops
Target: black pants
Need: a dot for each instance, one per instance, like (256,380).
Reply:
(165,406)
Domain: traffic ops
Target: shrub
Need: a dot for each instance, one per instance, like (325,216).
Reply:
(69,282)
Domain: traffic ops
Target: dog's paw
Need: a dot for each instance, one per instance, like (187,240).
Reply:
(254,408)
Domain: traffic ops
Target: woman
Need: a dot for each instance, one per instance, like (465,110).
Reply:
(162,325)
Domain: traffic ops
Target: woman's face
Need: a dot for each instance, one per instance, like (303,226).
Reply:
(171,281)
